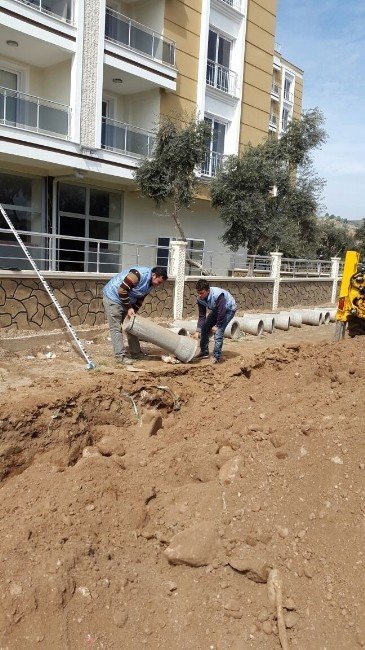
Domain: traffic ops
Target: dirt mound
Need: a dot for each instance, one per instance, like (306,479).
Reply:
(149,511)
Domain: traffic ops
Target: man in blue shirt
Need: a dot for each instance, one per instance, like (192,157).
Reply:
(222,308)
(123,296)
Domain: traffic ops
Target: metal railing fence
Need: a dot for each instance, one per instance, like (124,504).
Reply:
(31,113)
(74,254)
(236,4)
(212,163)
(60,9)
(124,138)
(221,78)
(66,253)
(125,31)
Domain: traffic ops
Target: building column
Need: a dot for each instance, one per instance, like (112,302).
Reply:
(176,270)
(275,275)
(92,74)
(335,274)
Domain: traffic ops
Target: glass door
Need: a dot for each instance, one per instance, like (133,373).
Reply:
(219,57)
(216,146)
(8,100)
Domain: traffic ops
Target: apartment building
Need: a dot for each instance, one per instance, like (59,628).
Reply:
(286,93)
(83,84)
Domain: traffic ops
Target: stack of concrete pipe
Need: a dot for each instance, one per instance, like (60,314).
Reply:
(185,327)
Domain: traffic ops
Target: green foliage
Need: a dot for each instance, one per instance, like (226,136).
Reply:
(335,237)
(169,175)
(360,239)
(242,192)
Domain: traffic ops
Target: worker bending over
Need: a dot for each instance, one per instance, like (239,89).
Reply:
(222,308)
(123,296)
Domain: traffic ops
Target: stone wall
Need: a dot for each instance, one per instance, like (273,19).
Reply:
(248,294)
(304,292)
(24,304)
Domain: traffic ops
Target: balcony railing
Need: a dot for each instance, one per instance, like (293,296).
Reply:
(273,121)
(222,78)
(31,113)
(275,89)
(126,139)
(236,4)
(212,164)
(60,9)
(124,31)
(288,95)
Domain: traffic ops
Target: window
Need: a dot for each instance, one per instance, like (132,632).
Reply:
(285,117)
(85,213)
(21,197)
(216,146)
(288,89)
(218,61)
(195,250)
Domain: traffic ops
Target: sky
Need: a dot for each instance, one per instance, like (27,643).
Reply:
(326,39)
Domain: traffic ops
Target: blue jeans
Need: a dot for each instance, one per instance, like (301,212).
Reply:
(210,322)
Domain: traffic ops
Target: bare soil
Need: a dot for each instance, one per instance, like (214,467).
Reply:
(115,538)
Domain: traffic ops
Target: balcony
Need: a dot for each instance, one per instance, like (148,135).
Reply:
(275,90)
(288,96)
(126,139)
(212,164)
(273,121)
(221,78)
(30,113)
(122,30)
(60,9)
(235,4)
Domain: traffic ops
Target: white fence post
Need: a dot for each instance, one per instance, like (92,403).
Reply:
(335,274)
(275,275)
(176,270)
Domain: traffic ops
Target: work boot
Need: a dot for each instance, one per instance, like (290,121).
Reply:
(202,355)
(215,360)
(139,356)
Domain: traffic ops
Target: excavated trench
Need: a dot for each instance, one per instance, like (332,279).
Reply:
(144,511)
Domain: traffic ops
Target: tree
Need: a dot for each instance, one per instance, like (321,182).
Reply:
(169,176)
(267,220)
(360,239)
(335,237)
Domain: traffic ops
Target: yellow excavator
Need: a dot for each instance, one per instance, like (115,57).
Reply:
(351,302)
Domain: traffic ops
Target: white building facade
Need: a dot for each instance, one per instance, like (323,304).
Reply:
(82,87)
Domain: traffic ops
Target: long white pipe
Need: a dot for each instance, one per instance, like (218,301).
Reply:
(183,347)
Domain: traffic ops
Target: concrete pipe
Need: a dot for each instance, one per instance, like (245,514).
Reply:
(295,318)
(282,322)
(268,321)
(182,347)
(311,317)
(323,313)
(180,330)
(251,325)
(232,331)
(188,325)
(332,313)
